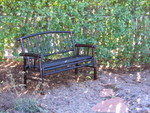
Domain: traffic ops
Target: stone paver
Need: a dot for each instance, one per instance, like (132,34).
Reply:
(107,93)
(115,105)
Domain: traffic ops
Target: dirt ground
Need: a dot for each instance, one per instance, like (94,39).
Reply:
(69,93)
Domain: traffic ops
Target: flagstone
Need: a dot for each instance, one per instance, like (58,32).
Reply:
(115,105)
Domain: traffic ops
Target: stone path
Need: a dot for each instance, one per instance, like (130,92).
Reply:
(112,105)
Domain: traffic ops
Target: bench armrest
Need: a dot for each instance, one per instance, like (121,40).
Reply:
(85,45)
(30,55)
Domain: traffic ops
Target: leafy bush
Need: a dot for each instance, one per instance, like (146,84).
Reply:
(3,112)
(120,29)
(26,105)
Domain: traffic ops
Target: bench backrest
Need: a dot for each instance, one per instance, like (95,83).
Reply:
(48,43)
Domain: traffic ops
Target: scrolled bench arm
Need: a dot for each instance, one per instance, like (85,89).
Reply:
(30,55)
(85,45)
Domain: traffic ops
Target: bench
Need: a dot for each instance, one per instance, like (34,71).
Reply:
(53,52)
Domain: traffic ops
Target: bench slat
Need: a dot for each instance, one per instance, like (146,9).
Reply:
(44,44)
(66,69)
(66,64)
(65,61)
(47,32)
(48,43)
(36,45)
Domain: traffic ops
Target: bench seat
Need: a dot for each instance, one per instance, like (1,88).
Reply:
(67,60)
(66,64)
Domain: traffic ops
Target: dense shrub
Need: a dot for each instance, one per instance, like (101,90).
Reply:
(119,28)
(27,106)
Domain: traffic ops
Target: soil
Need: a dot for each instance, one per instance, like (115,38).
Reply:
(69,93)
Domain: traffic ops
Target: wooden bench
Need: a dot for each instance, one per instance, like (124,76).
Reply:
(59,47)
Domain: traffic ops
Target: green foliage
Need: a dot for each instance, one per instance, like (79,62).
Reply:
(3,112)
(27,106)
(120,29)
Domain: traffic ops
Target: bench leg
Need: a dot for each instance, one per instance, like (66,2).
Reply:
(41,83)
(95,73)
(41,75)
(25,79)
(76,69)
(25,72)
(41,86)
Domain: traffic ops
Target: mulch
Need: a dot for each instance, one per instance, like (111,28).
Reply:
(11,69)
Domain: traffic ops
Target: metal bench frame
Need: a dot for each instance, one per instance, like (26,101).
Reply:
(37,46)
